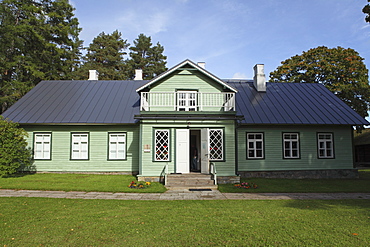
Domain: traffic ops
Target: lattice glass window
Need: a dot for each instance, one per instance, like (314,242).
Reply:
(187,100)
(80,146)
(162,149)
(117,146)
(325,145)
(216,144)
(291,145)
(255,145)
(42,146)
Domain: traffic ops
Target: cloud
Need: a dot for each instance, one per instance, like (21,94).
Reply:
(149,24)
(239,75)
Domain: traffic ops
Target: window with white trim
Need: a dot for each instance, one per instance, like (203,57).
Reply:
(162,142)
(291,145)
(117,146)
(42,146)
(187,100)
(80,146)
(216,144)
(255,146)
(325,145)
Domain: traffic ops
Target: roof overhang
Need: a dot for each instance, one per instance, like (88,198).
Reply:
(194,65)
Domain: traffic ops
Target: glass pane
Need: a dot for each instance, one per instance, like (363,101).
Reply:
(251,154)
(258,136)
(294,144)
(259,153)
(259,145)
(251,145)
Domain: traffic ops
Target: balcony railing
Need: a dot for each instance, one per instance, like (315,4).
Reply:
(187,101)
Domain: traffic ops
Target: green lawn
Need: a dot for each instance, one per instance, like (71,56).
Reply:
(119,183)
(271,185)
(67,222)
(76,182)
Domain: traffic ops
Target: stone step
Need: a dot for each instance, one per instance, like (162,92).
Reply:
(194,180)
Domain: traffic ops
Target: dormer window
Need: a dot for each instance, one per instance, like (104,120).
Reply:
(187,101)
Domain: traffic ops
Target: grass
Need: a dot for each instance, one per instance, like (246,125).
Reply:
(67,222)
(119,183)
(271,185)
(76,182)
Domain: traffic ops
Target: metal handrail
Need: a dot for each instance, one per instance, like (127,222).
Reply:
(165,174)
(214,172)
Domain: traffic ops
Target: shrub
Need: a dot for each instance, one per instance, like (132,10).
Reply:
(14,153)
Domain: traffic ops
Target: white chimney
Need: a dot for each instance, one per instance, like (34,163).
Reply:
(138,74)
(259,78)
(93,75)
(202,64)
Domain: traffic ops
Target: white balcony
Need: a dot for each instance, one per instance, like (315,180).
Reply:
(187,101)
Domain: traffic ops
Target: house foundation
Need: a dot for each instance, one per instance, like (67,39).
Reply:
(307,174)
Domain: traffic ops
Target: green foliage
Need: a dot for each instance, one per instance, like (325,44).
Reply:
(341,70)
(14,153)
(146,57)
(106,55)
(366,10)
(39,41)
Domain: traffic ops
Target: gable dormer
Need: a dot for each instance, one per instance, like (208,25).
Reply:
(187,87)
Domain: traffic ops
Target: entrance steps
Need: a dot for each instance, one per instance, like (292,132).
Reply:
(190,181)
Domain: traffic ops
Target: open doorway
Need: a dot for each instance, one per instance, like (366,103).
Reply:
(194,157)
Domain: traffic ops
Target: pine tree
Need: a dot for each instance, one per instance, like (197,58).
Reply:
(146,57)
(106,55)
(39,41)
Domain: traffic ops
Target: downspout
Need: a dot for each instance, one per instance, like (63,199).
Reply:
(237,125)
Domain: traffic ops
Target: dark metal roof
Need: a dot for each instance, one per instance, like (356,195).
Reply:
(292,103)
(116,102)
(78,102)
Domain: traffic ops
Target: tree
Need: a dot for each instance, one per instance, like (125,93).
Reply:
(147,57)
(106,55)
(14,153)
(39,41)
(341,70)
(366,10)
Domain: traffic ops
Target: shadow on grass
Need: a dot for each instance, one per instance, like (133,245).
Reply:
(362,206)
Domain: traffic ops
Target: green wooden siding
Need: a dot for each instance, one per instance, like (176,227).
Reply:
(154,168)
(98,149)
(189,80)
(308,160)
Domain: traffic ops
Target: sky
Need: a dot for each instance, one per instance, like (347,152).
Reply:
(231,36)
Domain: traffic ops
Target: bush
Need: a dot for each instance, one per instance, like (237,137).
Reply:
(14,153)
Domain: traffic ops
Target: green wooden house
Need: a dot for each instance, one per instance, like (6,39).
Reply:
(188,121)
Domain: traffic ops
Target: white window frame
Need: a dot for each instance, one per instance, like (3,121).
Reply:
(162,145)
(189,102)
(79,146)
(42,146)
(325,144)
(216,153)
(290,149)
(252,146)
(117,146)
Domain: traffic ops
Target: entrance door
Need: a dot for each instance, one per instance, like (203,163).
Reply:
(182,150)
(204,151)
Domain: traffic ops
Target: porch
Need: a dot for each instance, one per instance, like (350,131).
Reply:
(187,101)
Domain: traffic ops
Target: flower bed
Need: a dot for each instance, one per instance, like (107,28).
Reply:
(139,185)
(246,185)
